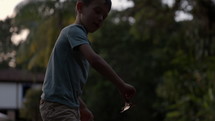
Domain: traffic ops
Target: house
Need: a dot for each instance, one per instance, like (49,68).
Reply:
(13,86)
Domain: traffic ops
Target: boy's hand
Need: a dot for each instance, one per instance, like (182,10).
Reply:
(127,91)
(86,114)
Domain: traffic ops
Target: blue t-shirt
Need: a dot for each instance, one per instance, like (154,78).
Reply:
(67,69)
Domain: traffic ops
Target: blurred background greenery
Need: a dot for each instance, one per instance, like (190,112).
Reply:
(169,60)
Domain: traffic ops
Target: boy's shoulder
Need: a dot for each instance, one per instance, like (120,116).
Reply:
(75,28)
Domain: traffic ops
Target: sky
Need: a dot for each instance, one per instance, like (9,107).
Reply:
(7,6)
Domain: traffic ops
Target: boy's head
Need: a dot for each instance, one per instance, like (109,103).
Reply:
(92,13)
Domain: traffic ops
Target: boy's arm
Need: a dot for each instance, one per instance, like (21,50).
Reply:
(105,69)
(86,114)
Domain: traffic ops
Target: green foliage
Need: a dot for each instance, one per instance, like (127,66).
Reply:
(44,20)
(7,48)
(188,85)
(30,109)
(5,43)
(188,95)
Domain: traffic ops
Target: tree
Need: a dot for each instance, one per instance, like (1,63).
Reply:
(7,48)
(30,109)
(44,20)
(188,87)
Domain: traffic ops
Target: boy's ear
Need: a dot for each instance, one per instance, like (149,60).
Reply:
(79,6)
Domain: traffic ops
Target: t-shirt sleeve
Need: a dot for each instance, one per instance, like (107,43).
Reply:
(77,36)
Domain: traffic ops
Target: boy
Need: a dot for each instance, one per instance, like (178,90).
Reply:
(68,66)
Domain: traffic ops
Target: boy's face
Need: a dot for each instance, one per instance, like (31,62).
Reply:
(93,15)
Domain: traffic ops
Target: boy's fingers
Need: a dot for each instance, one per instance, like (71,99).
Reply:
(129,95)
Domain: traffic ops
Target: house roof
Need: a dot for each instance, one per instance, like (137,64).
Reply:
(16,75)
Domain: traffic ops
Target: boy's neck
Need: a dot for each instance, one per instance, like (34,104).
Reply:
(79,23)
